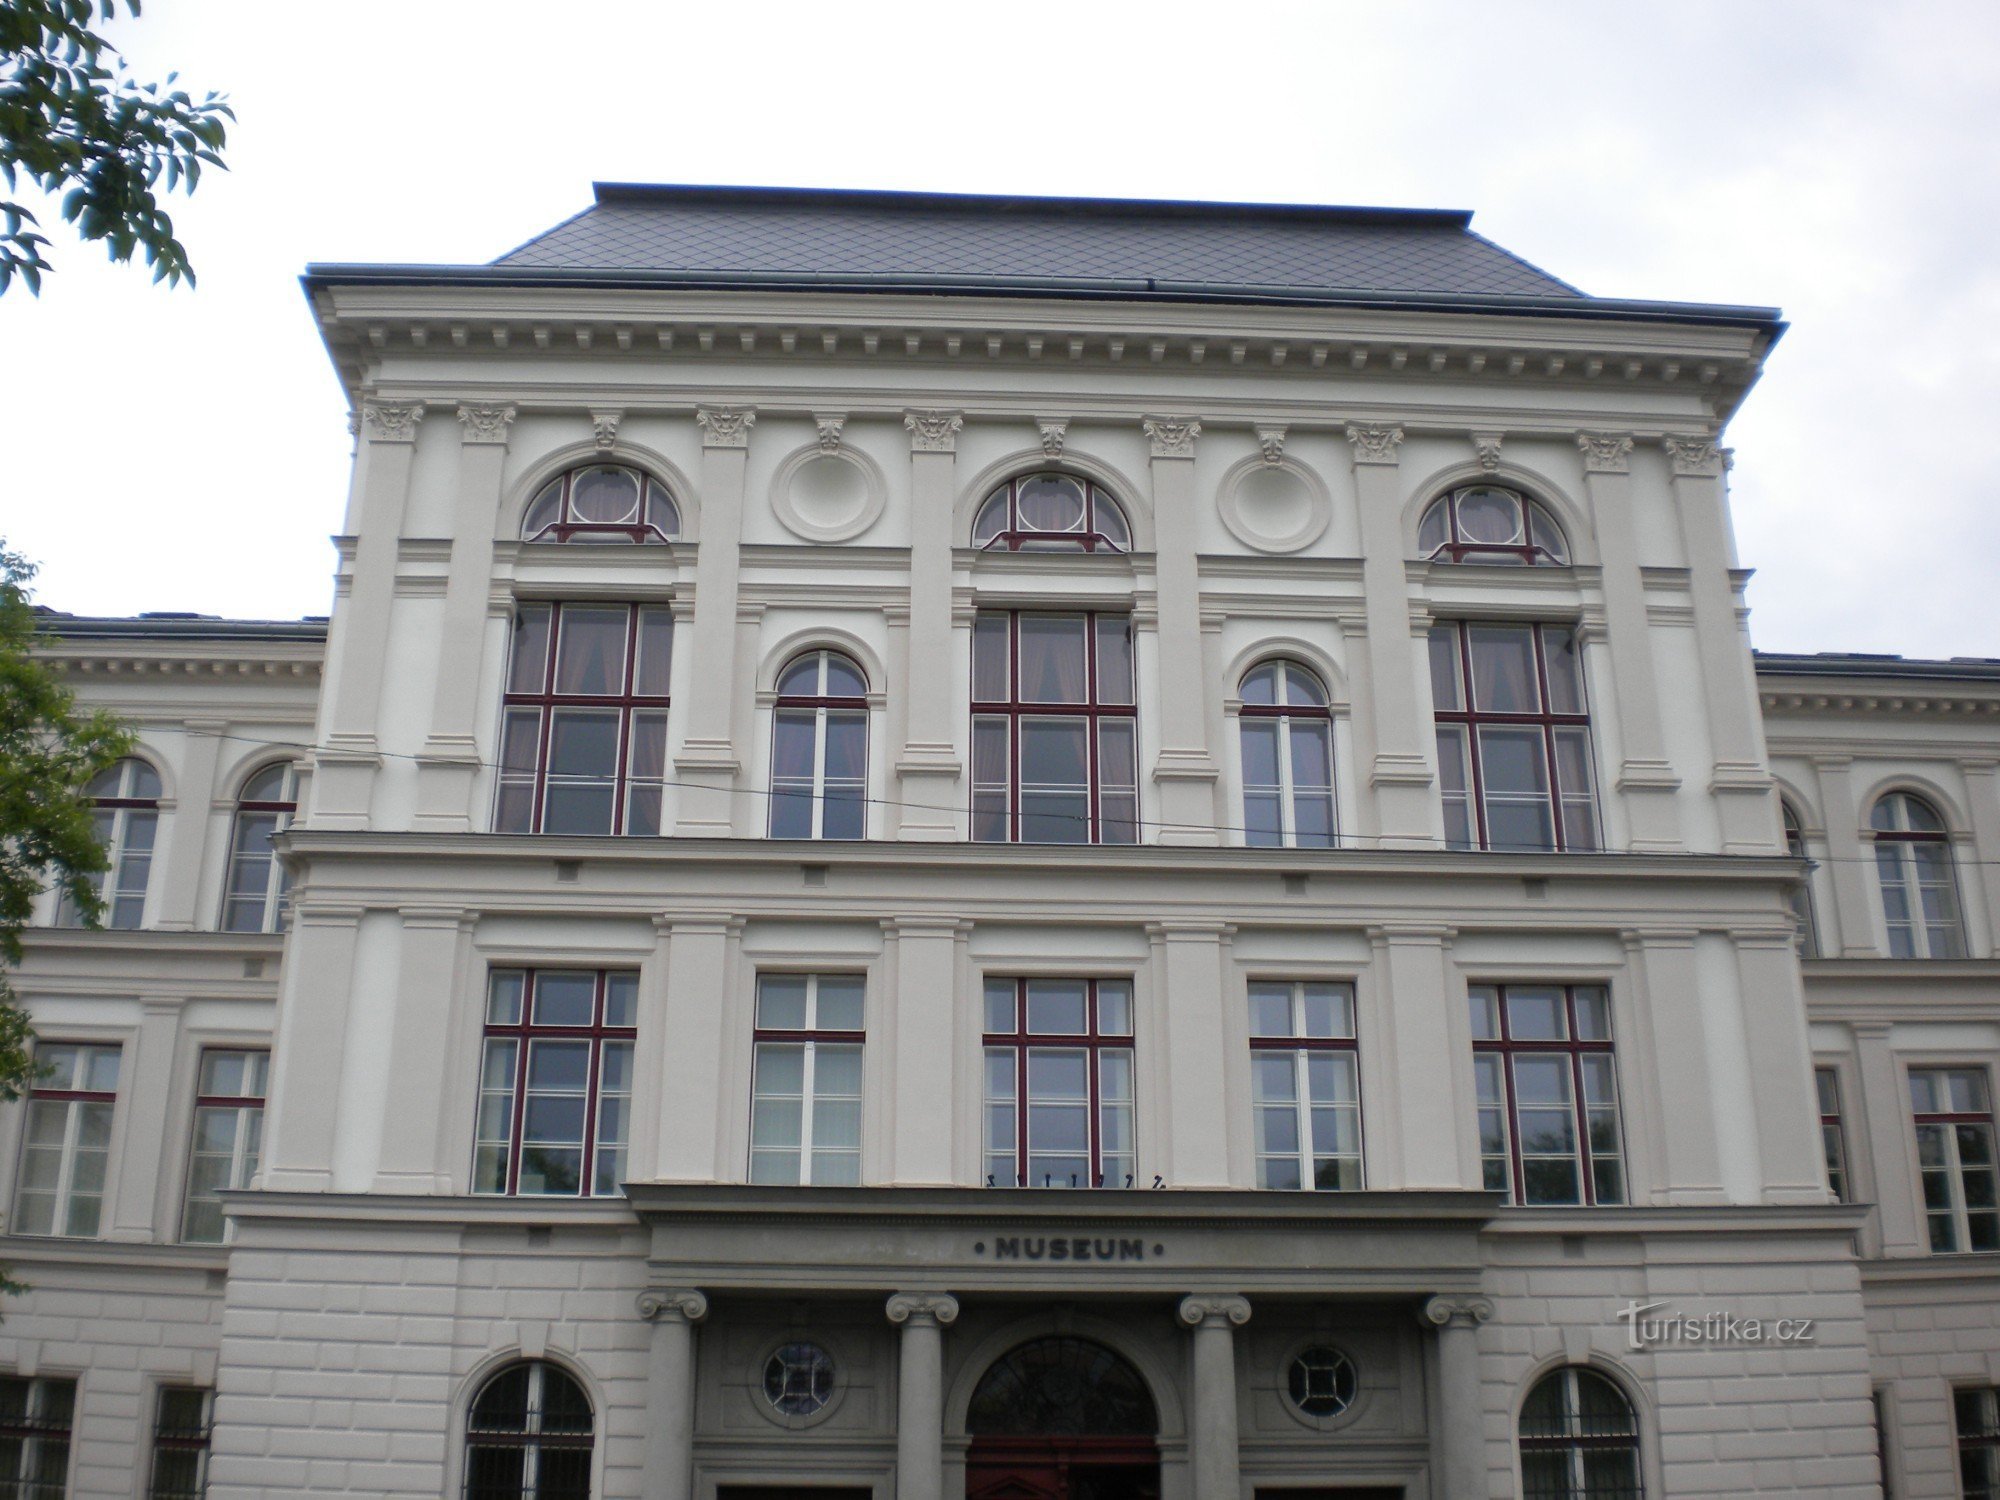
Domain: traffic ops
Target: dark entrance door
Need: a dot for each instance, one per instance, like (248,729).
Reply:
(1062,1419)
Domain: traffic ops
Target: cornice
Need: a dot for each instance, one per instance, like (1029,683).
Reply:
(1918,703)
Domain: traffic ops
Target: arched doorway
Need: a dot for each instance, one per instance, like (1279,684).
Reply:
(1062,1419)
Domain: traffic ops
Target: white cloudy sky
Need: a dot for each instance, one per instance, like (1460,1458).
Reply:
(187,450)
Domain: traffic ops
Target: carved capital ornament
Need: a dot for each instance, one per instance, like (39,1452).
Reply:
(392,423)
(485,424)
(1487,446)
(1605,452)
(933,431)
(920,1308)
(829,432)
(722,427)
(604,429)
(1457,1312)
(1271,439)
(1693,455)
(1054,432)
(682,1303)
(1172,437)
(1376,445)
(1219,1310)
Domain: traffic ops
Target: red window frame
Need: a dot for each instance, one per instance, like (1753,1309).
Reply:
(1283,711)
(65,1190)
(824,708)
(271,908)
(1507,1047)
(1093,1041)
(653,498)
(1529,552)
(1014,537)
(1015,710)
(1958,1211)
(527,1031)
(1902,843)
(1473,718)
(545,700)
(1832,1133)
(1296,1043)
(809,1038)
(130,777)
(236,1103)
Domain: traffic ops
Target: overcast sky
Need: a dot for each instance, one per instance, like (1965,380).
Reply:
(188,450)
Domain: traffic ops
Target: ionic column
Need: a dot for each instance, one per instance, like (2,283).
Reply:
(1401,738)
(1741,784)
(1461,1425)
(1212,1432)
(345,763)
(668,1471)
(1184,771)
(708,762)
(927,767)
(1645,777)
(920,1392)
(448,764)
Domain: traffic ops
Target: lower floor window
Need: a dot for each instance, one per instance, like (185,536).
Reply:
(1954,1121)
(1059,1083)
(529,1436)
(1579,1439)
(805,1092)
(555,1082)
(35,1420)
(1305,1085)
(182,1422)
(1547,1093)
(1976,1415)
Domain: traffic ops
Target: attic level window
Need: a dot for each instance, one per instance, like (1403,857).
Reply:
(1050,513)
(1487,524)
(603,503)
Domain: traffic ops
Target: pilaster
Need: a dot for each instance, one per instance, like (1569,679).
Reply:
(707,764)
(148,1066)
(699,976)
(1848,862)
(306,1070)
(921,1040)
(1683,1127)
(1401,741)
(1884,1128)
(1982,790)
(178,896)
(1188,962)
(427,994)
(1184,771)
(1774,1031)
(928,771)
(1410,963)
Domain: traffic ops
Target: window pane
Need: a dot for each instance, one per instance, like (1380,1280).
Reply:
(1114,659)
(1052,659)
(1056,1007)
(590,650)
(529,666)
(1503,668)
(1114,1007)
(840,1002)
(781,1002)
(656,653)
(1000,1006)
(1564,660)
(1447,689)
(1535,1015)
(990,674)
(1260,752)
(1271,1010)
(1312,754)
(565,999)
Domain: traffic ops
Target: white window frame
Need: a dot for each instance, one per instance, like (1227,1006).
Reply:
(809,1039)
(72,1101)
(1301,1048)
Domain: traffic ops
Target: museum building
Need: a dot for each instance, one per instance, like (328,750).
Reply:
(951,848)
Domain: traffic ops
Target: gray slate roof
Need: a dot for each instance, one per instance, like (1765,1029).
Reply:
(1110,245)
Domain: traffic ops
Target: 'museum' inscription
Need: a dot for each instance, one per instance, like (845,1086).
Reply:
(1055,1247)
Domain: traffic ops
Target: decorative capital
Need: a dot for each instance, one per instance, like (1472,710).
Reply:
(1210,1308)
(829,430)
(933,431)
(1457,1312)
(484,424)
(1173,437)
(1271,438)
(392,424)
(1487,446)
(1693,455)
(1054,431)
(1375,445)
(604,429)
(721,428)
(1605,452)
(683,1304)
(921,1308)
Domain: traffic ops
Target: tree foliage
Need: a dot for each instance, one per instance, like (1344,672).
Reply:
(74,121)
(49,752)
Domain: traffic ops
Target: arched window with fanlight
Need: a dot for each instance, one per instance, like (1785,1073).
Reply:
(1801,897)
(1487,523)
(1050,513)
(1913,864)
(125,814)
(819,749)
(529,1436)
(602,503)
(254,897)
(1579,1439)
(1286,731)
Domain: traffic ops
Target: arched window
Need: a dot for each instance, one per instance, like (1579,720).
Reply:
(1486,524)
(529,1436)
(1051,513)
(1802,902)
(126,799)
(1062,1386)
(1919,895)
(602,503)
(1287,735)
(254,898)
(1579,1439)
(819,750)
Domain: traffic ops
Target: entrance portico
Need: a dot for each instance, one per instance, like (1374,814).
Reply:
(1199,1301)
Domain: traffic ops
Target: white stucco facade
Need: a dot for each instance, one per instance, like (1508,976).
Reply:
(828,452)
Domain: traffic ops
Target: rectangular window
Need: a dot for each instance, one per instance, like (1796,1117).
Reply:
(1305,1084)
(583,737)
(66,1148)
(1976,1415)
(1055,756)
(555,1082)
(228,1135)
(1954,1120)
(805,1097)
(1548,1093)
(1513,737)
(1832,1138)
(1059,1105)
(182,1423)
(35,1420)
